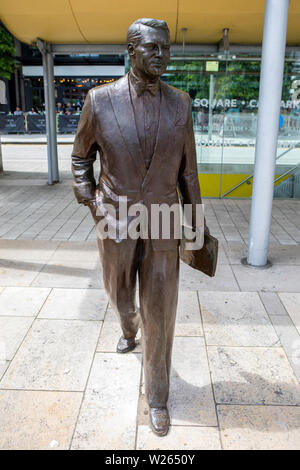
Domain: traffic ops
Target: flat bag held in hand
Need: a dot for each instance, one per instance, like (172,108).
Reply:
(205,259)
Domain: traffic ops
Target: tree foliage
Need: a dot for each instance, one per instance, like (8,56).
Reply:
(7,53)
(234,79)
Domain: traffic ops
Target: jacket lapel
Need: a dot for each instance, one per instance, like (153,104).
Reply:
(124,114)
(168,108)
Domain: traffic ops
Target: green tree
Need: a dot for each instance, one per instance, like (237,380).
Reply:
(234,79)
(239,80)
(7,52)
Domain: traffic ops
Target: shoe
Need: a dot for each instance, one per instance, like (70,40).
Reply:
(159,420)
(126,345)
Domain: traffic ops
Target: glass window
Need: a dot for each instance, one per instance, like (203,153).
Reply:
(224,91)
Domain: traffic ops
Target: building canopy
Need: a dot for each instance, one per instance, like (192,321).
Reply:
(106,21)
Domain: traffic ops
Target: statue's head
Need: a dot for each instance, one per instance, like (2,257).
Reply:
(148,44)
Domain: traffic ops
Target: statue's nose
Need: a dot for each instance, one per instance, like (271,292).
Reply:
(158,51)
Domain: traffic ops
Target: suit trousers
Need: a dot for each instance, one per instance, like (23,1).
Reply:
(158,275)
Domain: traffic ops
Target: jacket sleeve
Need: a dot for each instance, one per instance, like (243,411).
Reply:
(188,183)
(84,155)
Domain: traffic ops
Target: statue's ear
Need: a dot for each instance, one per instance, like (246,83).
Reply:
(130,49)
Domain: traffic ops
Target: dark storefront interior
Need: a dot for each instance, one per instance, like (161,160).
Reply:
(68,89)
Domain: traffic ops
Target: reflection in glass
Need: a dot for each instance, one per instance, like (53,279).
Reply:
(224,93)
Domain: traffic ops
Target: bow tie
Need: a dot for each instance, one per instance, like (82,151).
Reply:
(140,86)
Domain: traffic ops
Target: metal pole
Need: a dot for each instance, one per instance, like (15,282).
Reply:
(1,164)
(46,92)
(210,103)
(22,90)
(184,30)
(17,91)
(272,64)
(52,117)
(17,45)
(48,73)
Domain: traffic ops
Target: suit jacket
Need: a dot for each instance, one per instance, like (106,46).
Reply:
(107,125)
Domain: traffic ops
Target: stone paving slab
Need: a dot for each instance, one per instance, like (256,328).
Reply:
(22,301)
(32,420)
(111,332)
(276,278)
(191,399)
(188,319)
(27,250)
(75,304)
(56,355)
(252,376)
(236,319)
(3,364)
(180,438)
(12,332)
(272,303)
(259,427)
(66,251)
(285,217)
(18,273)
(222,257)
(108,415)
(224,280)
(69,274)
(289,339)
(282,254)
(291,301)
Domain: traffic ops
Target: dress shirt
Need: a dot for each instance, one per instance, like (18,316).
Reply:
(146,106)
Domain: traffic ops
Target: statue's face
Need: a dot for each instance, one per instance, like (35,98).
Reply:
(152,54)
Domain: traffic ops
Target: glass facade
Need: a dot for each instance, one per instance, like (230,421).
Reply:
(224,90)
(67,90)
(69,87)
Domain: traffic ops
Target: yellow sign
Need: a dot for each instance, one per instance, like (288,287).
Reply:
(212,66)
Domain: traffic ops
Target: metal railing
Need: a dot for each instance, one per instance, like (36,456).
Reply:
(36,123)
(252,174)
(289,187)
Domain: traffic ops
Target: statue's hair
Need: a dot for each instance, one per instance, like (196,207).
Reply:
(134,34)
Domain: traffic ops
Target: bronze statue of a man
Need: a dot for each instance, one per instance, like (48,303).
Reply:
(143,131)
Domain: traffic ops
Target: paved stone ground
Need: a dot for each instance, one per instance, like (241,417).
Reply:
(32,210)
(236,358)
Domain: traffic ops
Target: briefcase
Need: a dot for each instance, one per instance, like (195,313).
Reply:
(205,259)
